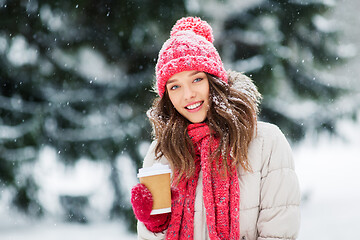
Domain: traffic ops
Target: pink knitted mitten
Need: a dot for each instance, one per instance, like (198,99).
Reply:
(142,202)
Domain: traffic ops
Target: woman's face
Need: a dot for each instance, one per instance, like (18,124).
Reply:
(189,93)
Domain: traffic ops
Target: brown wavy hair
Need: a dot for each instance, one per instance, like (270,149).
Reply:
(232,116)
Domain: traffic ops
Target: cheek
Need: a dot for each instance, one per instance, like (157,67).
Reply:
(174,100)
(207,89)
(207,94)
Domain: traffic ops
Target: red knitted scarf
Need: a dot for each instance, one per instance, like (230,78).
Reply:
(221,195)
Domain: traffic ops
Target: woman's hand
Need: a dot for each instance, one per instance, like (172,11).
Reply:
(142,202)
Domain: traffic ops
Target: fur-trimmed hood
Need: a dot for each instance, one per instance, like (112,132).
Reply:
(243,83)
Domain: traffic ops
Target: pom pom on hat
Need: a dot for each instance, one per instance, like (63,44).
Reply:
(190,47)
(194,24)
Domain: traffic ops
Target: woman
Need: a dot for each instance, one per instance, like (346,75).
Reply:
(233,177)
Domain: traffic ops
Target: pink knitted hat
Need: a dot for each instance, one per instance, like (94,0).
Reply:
(190,47)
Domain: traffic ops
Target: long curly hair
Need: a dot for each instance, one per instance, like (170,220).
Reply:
(232,117)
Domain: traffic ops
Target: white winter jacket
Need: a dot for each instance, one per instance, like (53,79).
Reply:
(269,195)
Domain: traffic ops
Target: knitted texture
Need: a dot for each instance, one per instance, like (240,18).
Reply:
(190,47)
(221,194)
(142,202)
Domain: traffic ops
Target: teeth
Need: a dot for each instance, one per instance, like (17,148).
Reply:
(193,106)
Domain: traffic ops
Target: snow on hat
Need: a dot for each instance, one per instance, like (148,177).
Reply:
(190,47)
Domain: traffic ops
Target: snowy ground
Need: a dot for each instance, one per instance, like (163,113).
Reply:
(328,172)
(329,176)
(61,231)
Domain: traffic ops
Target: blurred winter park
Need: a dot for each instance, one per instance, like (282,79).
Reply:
(75,82)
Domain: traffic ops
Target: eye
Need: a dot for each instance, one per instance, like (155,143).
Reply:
(198,79)
(174,87)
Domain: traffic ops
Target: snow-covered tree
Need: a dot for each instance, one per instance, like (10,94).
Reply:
(288,47)
(75,76)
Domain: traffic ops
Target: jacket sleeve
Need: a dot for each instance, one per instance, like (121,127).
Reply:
(142,231)
(279,216)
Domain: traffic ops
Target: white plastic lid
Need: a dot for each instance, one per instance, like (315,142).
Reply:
(156,169)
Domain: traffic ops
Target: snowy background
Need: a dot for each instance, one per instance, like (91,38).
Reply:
(328,172)
(327,167)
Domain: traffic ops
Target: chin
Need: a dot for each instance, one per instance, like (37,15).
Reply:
(196,120)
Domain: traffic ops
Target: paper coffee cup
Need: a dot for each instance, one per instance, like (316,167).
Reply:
(157,180)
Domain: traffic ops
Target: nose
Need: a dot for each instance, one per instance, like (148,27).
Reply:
(189,92)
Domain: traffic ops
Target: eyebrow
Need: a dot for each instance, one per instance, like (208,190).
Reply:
(194,73)
(174,80)
(171,81)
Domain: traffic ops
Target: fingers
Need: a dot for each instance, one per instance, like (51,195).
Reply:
(142,201)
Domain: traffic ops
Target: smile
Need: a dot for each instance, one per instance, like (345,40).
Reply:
(193,106)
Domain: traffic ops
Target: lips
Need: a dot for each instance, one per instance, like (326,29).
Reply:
(194,106)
